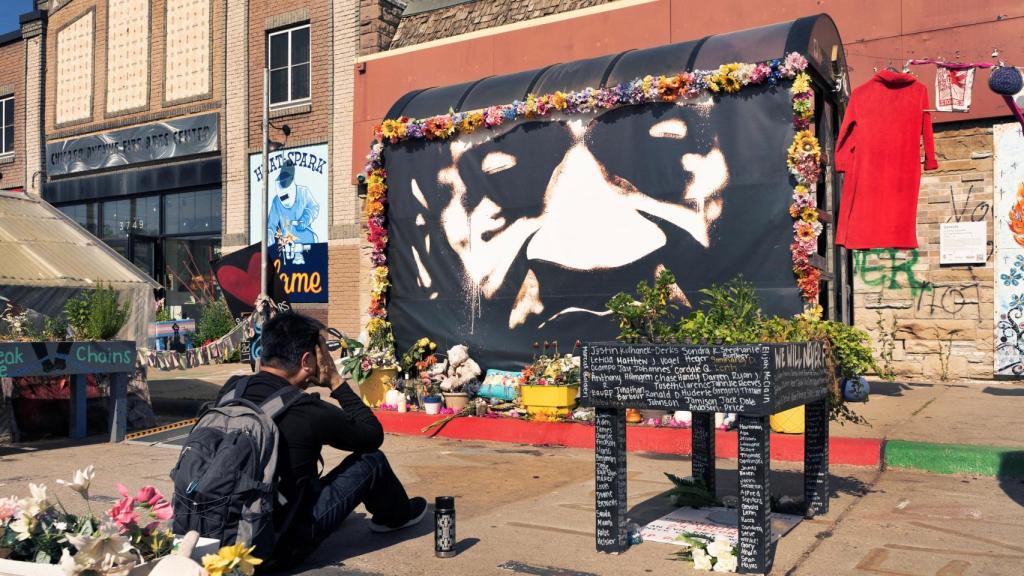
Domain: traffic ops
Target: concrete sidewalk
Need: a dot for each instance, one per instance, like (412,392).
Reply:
(529,510)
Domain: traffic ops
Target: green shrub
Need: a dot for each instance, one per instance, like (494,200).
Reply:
(731,314)
(96,314)
(215,320)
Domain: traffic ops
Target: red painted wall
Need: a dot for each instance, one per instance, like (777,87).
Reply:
(874,32)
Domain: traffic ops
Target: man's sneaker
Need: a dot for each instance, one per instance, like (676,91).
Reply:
(417,510)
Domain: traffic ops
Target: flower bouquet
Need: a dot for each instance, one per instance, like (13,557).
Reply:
(419,357)
(39,530)
(707,554)
(549,386)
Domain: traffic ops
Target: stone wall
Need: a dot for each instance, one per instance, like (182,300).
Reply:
(378,23)
(472,16)
(938,317)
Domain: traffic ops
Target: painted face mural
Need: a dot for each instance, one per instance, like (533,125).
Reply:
(522,234)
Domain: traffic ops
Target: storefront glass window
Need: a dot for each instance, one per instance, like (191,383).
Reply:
(115,219)
(192,212)
(83,214)
(189,274)
(146,213)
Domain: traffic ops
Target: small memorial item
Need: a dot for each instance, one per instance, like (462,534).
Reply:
(444,526)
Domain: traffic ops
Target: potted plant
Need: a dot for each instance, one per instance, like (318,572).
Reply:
(550,385)
(430,394)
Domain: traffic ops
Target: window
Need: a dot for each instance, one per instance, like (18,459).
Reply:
(288,53)
(192,213)
(115,219)
(84,214)
(7,125)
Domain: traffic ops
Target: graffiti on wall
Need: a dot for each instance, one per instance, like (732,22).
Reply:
(1009,250)
(893,271)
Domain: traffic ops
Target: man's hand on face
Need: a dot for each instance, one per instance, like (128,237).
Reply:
(327,374)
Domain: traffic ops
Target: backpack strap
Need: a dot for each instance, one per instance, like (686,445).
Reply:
(238,386)
(281,400)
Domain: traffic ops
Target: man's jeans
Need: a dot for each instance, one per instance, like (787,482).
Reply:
(360,479)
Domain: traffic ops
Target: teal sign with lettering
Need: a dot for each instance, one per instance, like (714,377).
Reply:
(62,358)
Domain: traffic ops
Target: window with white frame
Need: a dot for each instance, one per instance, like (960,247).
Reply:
(7,125)
(288,54)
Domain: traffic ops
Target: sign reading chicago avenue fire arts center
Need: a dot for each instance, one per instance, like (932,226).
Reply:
(156,141)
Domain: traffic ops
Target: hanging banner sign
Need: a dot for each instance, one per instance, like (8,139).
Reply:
(157,141)
(301,272)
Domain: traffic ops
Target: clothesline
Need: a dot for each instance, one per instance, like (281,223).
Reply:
(951,65)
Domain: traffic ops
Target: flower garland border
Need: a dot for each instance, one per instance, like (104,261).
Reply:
(803,156)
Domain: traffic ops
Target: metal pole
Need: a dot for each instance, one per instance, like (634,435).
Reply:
(265,188)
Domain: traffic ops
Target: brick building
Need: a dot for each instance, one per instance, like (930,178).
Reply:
(134,104)
(929,321)
(21,67)
(310,46)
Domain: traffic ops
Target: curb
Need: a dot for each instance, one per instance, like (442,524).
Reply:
(784,447)
(954,458)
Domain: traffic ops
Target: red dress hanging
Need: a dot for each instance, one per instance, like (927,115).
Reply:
(879,151)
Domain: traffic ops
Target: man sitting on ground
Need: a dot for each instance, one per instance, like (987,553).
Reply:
(295,353)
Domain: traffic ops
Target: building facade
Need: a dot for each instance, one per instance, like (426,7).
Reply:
(309,49)
(21,67)
(929,320)
(134,104)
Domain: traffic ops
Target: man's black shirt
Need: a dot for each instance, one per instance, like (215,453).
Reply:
(305,427)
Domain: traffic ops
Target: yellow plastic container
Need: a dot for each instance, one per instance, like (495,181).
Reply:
(549,400)
(788,421)
(372,389)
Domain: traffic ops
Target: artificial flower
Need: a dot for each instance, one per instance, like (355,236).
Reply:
(719,547)
(81,480)
(123,513)
(559,100)
(393,130)
(804,230)
(23,526)
(230,558)
(701,560)
(36,503)
(801,84)
(9,508)
(726,563)
(801,190)
(794,210)
(100,552)
(795,63)
(809,214)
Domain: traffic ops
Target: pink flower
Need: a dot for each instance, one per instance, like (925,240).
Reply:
(760,73)
(794,64)
(123,513)
(9,508)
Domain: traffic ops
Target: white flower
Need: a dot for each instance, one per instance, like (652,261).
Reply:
(62,526)
(101,552)
(701,561)
(726,563)
(38,502)
(720,547)
(80,483)
(68,564)
(23,526)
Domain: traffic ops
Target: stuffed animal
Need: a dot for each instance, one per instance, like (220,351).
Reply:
(459,370)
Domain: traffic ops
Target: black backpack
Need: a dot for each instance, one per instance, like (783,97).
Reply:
(225,482)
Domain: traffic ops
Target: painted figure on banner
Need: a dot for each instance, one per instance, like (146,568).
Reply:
(1009,250)
(292,210)
(521,233)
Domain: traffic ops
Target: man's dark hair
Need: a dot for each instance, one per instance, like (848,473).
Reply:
(286,337)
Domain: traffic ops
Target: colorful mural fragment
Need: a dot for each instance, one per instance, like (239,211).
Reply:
(1009,250)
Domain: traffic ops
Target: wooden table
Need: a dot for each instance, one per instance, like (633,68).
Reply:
(77,359)
(754,381)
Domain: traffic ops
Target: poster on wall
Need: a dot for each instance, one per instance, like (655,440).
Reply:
(1009,250)
(522,234)
(297,218)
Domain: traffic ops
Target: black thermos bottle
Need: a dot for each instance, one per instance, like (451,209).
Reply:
(444,526)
